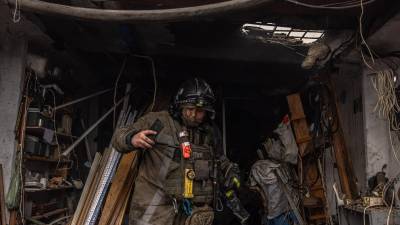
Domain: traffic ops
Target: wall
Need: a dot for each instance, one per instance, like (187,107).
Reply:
(377,144)
(12,62)
(348,88)
(13,51)
(384,42)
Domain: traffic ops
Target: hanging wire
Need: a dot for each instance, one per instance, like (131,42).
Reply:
(17,12)
(387,105)
(362,37)
(116,87)
(21,152)
(334,6)
(154,77)
(390,210)
(54,112)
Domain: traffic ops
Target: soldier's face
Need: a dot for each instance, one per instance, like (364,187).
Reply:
(193,116)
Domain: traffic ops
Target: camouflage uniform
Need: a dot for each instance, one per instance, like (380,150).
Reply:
(160,167)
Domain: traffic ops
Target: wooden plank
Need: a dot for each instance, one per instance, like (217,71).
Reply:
(126,192)
(120,186)
(2,199)
(121,214)
(13,217)
(125,199)
(85,190)
(94,185)
(299,122)
(343,161)
(50,214)
(303,140)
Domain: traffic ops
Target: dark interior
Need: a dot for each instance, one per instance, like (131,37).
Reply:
(251,78)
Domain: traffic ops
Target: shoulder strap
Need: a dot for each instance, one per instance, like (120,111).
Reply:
(175,127)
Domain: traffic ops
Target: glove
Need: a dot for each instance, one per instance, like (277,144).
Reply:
(237,208)
(232,176)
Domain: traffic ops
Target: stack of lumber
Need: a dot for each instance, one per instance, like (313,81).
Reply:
(90,187)
(120,191)
(109,168)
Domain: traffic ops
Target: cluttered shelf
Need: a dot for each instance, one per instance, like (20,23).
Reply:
(360,208)
(40,132)
(45,159)
(49,214)
(35,190)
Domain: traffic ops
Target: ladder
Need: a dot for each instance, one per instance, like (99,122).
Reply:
(314,204)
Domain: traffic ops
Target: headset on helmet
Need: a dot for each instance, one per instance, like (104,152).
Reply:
(195,92)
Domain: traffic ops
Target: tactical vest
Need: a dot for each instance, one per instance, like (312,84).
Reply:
(201,161)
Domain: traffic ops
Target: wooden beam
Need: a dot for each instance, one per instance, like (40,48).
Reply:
(160,15)
(343,161)
(120,189)
(85,190)
(299,123)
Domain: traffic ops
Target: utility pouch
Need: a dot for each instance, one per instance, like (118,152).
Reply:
(201,216)
(202,169)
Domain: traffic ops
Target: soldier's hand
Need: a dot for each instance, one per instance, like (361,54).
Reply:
(141,139)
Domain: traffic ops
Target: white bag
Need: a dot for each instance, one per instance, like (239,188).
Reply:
(286,136)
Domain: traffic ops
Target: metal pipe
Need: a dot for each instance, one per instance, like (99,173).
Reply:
(82,99)
(91,128)
(160,15)
(87,146)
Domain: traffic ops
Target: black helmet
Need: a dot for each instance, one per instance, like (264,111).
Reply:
(195,92)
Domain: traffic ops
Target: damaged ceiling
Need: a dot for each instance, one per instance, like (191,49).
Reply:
(210,46)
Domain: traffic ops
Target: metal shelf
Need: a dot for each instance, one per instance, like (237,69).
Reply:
(27,190)
(39,132)
(44,159)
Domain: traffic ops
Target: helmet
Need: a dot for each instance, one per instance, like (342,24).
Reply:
(195,92)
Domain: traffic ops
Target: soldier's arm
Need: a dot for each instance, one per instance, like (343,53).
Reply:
(123,136)
(228,169)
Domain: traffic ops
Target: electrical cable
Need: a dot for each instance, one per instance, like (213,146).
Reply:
(348,5)
(21,153)
(365,210)
(391,144)
(55,129)
(362,37)
(121,70)
(350,2)
(17,12)
(153,67)
(329,118)
(390,210)
(387,186)
(343,44)
(387,104)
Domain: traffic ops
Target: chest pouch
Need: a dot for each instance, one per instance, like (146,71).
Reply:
(202,169)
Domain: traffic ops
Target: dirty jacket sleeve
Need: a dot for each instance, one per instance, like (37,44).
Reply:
(121,139)
(228,168)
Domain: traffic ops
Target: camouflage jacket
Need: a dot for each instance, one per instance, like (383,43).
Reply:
(150,204)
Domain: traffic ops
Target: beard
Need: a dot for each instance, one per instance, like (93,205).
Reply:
(190,122)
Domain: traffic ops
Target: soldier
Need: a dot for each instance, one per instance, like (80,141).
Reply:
(180,164)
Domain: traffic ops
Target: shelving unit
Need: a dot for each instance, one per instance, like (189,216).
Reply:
(40,131)
(43,205)
(27,190)
(44,159)
(50,214)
